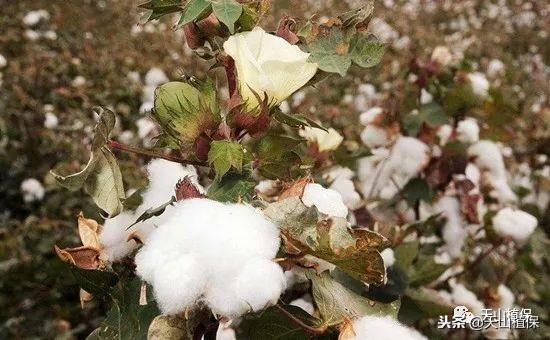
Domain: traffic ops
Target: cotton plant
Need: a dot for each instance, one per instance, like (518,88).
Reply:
(242,192)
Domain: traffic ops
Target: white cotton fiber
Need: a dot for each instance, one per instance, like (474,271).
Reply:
(480,84)
(155,76)
(227,251)
(374,136)
(454,233)
(506,297)
(467,131)
(388,256)
(346,188)
(327,201)
(32,190)
(516,224)
(163,177)
(378,328)
(464,297)
(371,115)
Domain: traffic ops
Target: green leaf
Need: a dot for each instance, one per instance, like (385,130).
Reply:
(416,190)
(271,324)
(432,114)
(186,109)
(195,9)
(337,304)
(405,254)
(96,282)
(158,8)
(330,52)
(425,271)
(224,155)
(127,319)
(429,302)
(231,188)
(228,12)
(133,201)
(366,50)
(294,120)
(358,16)
(277,156)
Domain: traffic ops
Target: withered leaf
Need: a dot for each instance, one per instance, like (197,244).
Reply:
(295,189)
(84,257)
(89,231)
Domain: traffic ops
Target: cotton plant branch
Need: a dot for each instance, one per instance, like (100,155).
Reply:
(313,330)
(151,153)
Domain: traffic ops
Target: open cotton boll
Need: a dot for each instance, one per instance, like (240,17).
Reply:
(371,115)
(388,257)
(34,17)
(454,233)
(327,201)
(516,224)
(3,61)
(155,76)
(480,84)
(337,172)
(495,68)
(444,133)
(376,328)
(346,188)
(467,131)
(225,333)
(464,297)
(506,297)
(425,97)
(233,248)
(374,136)
(32,190)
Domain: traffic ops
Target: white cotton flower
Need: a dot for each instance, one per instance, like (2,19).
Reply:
(51,121)
(3,61)
(495,68)
(454,232)
(442,55)
(425,97)
(326,141)
(516,224)
(268,64)
(467,131)
(374,136)
(388,256)
(304,303)
(464,297)
(163,177)
(383,327)
(226,259)
(145,127)
(155,76)
(327,201)
(480,84)
(346,188)
(32,190)
(33,17)
(371,115)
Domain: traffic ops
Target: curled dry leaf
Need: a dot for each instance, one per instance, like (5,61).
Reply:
(84,257)
(84,297)
(286,30)
(89,231)
(186,189)
(346,331)
(295,189)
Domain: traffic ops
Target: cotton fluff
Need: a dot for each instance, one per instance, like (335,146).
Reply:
(374,136)
(155,76)
(385,327)
(145,127)
(516,224)
(32,190)
(326,141)
(425,97)
(444,133)
(51,121)
(327,201)
(371,115)
(442,55)
(463,297)
(506,297)
(3,61)
(495,68)
(388,256)
(163,177)
(346,189)
(33,17)
(223,259)
(480,84)
(225,333)
(488,157)
(467,131)
(454,233)
(386,171)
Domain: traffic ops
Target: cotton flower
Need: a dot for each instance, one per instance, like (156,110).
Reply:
(51,121)
(388,257)
(268,64)
(468,131)
(326,141)
(480,84)
(516,224)
(442,55)
(163,177)
(32,190)
(383,327)
(155,76)
(222,259)
(327,201)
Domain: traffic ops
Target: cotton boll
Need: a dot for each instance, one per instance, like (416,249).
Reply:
(464,297)
(78,81)
(346,188)
(388,257)
(374,136)
(327,201)
(260,283)
(472,173)
(480,84)
(155,76)
(444,133)
(516,224)
(376,328)
(34,17)
(305,304)
(144,108)
(178,284)
(51,121)
(442,55)
(425,97)
(337,172)
(454,233)
(225,333)
(495,68)
(114,236)
(145,127)
(148,93)
(32,190)
(506,297)
(371,115)
(468,131)
(3,61)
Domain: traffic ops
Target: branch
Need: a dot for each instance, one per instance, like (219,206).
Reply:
(151,153)
(300,323)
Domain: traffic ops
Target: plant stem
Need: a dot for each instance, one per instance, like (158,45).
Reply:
(300,323)
(151,153)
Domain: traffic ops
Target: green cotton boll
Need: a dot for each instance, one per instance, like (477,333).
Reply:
(186,109)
